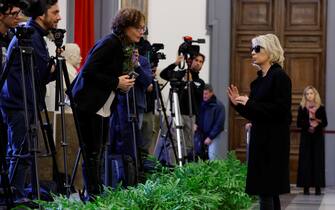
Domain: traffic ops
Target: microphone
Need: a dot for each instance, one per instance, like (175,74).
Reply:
(201,41)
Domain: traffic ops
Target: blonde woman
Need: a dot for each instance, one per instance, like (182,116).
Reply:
(268,108)
(311,119)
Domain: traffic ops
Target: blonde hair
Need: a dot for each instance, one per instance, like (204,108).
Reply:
(272,47)
(317,98)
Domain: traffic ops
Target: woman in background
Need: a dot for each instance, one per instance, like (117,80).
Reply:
(311,119)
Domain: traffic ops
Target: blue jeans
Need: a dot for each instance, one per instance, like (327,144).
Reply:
(17,145)
(217,150)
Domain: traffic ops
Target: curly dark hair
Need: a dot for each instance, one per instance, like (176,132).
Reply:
(125,18)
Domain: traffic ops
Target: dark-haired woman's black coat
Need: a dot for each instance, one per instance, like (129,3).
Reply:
(269,111)
(311,168)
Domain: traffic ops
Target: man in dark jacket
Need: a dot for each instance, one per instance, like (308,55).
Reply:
(196,88)
(9,18)
(12,102)
(210,126)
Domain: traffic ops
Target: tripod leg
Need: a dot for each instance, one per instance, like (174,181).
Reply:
(161,108)
(18,150)
(61,104)
(75,167)
(81,150)
(179,126)
(132,118)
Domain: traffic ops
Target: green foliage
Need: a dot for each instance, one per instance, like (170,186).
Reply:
(202,185)
(128,64)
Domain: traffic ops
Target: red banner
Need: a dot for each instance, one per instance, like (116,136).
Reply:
(84,25)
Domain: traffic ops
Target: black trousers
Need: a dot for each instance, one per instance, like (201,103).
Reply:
(94,132)
(3,149)
(269,202)
(3,136)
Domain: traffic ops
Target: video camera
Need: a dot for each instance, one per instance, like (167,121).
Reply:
(188,49)
(155,56)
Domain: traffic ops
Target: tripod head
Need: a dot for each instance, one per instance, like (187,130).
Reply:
(58,36)
(23,34)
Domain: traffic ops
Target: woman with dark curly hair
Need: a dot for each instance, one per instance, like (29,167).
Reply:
(103,74)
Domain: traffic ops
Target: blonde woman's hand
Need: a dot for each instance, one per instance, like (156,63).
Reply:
(242,100)
(233,93)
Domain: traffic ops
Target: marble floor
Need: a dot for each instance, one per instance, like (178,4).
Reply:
(296,200)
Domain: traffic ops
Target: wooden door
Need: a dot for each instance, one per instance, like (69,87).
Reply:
(300,26)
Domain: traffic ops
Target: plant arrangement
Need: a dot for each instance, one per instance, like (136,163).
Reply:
(201,185)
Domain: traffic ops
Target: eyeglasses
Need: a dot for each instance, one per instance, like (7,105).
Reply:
(141,29)
(257,48)
(14,14)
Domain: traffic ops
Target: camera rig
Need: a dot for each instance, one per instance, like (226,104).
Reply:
(155,56)
(188,49)
(58,36)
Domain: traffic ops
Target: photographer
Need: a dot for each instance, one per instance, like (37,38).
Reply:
(12,102)
(103,76)
(196,88)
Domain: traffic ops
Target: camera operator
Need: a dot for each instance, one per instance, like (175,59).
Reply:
(12,102)
(9,18)
(197,85)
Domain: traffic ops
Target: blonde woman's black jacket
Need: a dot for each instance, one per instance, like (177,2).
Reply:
(269,111)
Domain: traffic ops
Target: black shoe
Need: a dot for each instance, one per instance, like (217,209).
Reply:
(317,191)
(26,202)
(306,191)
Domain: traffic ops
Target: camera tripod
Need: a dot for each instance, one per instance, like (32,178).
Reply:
(163,144)
(189,90)
(61,78)
(62,73)
(176,115)
(32,116)
(177,121)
